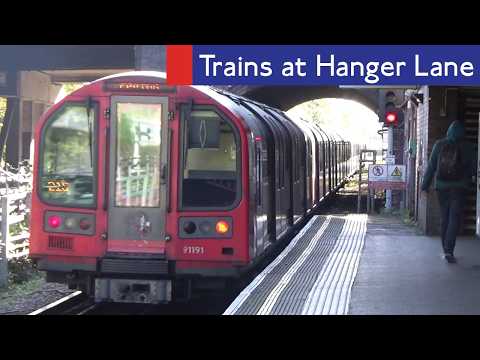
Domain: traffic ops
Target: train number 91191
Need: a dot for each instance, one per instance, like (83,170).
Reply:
(194,250)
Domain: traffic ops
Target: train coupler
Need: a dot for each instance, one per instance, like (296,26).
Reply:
(133,291)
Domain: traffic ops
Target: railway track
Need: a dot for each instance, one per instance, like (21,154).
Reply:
(76,303)
(79,304)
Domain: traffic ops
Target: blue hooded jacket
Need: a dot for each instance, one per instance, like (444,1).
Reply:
(455,133)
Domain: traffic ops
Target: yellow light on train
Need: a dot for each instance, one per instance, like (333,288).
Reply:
(222,227)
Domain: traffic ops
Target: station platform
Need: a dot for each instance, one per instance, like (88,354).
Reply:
(364,265)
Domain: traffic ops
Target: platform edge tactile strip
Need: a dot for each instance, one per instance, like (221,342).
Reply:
(286,279)
(250,300)
(293,297)
(331,293)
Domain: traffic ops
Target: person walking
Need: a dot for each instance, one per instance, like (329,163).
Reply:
(453,163)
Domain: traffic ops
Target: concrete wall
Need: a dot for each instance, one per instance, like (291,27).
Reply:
(150,57)
(422,155)
(36,94)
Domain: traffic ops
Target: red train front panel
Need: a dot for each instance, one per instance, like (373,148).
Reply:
(129,166)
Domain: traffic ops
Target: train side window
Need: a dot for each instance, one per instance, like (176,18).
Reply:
(265,168)
(210,172)
(68,157)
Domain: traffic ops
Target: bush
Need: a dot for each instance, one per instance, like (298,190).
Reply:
(21,269)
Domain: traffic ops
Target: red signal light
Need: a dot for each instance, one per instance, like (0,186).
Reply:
(54,221)
(391,118)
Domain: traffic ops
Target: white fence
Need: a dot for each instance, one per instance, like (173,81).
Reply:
(15,202)
(14,242)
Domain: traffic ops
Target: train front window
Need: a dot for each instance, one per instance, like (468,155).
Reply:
(68,157)
(210,174)
(137,179)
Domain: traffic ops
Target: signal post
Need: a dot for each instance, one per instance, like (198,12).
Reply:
(390,115)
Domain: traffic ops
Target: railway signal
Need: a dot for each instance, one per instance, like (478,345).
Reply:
(391,118)
(388,112)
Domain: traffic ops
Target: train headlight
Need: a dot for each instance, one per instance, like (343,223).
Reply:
(222,227)
(85,224)
(190,227)
(205,227)
(70,223)
(54,221)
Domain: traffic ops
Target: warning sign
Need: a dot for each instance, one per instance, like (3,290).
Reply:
(377,173)
(377,170)
(387,176)
(396,172)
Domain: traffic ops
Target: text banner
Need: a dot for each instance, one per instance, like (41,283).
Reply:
(354,65)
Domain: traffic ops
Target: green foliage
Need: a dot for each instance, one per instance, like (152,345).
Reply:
(71,87)
(3,109)
(15,291)
(21,270)
(18,228)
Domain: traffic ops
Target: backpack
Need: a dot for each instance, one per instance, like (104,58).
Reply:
(450,163)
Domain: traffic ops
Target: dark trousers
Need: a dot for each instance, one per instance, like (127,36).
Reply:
(451,208)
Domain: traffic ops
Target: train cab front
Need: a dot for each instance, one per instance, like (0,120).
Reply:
(137,191)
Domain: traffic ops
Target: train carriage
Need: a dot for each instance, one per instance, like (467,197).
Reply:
(143,190)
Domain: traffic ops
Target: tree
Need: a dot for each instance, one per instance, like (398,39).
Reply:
(3,109)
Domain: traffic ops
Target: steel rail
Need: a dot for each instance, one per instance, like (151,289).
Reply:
(74,303)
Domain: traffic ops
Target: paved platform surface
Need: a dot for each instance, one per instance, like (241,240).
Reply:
(402,272)
(313,275)
(359,265)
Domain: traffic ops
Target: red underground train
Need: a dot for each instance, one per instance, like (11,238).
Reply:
(143,191)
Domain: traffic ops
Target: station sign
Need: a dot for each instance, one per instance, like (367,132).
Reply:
(387,176)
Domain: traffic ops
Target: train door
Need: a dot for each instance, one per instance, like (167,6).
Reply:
(321,163)
(327,163)
(297,195)
(290,158)
(137,176)
(316,162)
